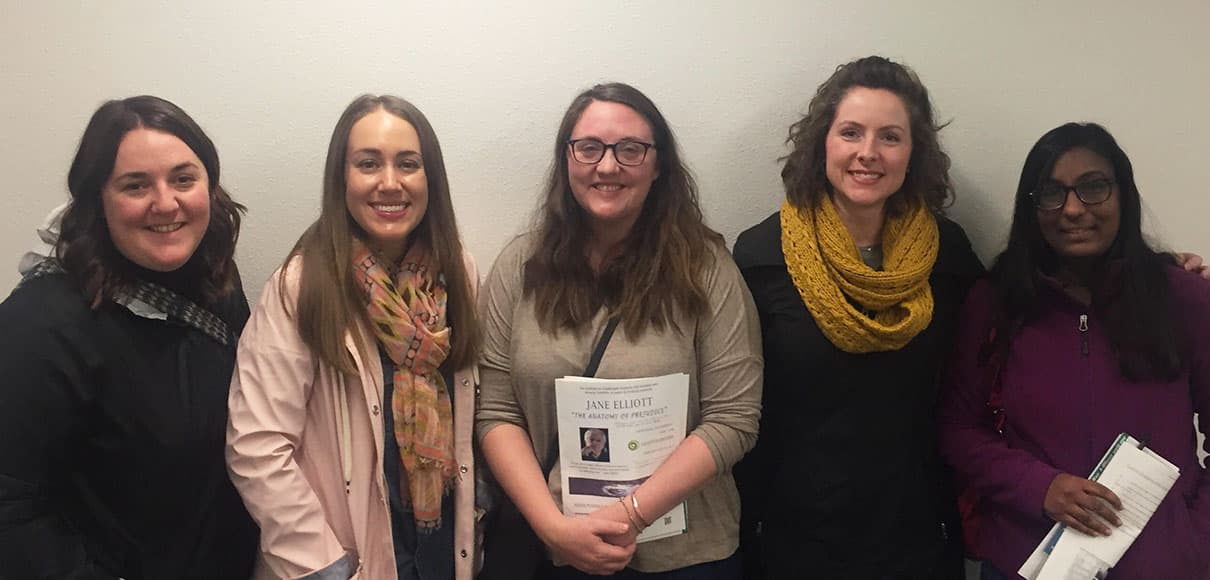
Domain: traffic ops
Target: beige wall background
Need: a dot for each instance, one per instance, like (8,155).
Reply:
(267,80)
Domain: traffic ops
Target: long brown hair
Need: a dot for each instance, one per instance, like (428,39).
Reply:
(659,272)
(329,301)
(805,171)
(84,247)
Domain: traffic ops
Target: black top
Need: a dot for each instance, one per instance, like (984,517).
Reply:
(112,429)
(845,480)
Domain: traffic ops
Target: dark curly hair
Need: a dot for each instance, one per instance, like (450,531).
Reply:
(84,247)
(804,169)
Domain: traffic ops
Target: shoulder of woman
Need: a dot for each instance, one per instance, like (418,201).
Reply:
(955,254)
(47,318)
(281,288)
(521,247)
(511,259)
(1189,289)
(51,298)
(760,245)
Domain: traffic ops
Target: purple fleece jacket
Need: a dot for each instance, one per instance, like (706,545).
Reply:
(1065,402)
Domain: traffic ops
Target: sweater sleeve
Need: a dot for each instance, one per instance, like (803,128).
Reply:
(754,473)
(47,364)
(498,301)
(267,412)
(979,455)
(730,365)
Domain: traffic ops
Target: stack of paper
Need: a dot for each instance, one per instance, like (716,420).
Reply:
(1141,478)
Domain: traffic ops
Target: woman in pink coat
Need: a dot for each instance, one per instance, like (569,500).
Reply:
(352,401)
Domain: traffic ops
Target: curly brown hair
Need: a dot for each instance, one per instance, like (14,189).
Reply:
(84,247)
(804,169)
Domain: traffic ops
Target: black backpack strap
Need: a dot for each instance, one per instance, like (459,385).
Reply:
(598,350)
(594,361)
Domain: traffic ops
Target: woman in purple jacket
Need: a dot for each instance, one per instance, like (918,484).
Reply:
(1081,331)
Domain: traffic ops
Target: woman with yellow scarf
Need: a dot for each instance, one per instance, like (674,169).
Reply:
(858,280)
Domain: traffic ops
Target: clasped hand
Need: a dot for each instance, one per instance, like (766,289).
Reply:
(601,543)
(1082,504)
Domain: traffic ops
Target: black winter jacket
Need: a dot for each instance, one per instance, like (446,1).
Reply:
(112,429)
(845,480)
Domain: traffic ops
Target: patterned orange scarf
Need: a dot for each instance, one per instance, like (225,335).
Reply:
(407,315)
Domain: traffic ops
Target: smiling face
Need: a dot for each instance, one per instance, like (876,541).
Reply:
(868,148)
(386,189)
(157,200)
(1078,230)
(611,194)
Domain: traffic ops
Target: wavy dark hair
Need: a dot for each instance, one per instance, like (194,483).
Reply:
(658,273)
(804,172)
(1129,286)
(330,302)
(85,248)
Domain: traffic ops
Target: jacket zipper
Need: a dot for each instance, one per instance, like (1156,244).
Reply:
(1083,328)
(1084,335)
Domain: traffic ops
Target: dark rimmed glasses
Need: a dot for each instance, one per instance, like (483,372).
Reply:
(629,152)
(1053,195)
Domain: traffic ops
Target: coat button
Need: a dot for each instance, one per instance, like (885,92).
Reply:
(463,468)
(465,382)
(375,409)
(462,553)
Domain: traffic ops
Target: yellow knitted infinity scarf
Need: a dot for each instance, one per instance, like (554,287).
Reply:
(826,267)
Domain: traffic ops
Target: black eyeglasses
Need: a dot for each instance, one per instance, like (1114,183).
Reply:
(629,152)
(1052,195)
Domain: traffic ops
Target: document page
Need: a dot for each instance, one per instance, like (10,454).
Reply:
(613,434)
(1140,478)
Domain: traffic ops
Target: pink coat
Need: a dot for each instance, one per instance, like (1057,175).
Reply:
(293,437)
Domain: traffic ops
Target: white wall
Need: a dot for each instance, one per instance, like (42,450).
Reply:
(267,80)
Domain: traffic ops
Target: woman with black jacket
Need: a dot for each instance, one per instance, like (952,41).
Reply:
(116,356)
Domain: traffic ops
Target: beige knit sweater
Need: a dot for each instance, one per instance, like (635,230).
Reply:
(720,352)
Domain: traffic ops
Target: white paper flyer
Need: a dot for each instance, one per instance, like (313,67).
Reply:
(1139,477)
(613,434)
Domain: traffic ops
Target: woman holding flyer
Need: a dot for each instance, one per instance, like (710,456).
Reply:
(1080,332)
(620,236)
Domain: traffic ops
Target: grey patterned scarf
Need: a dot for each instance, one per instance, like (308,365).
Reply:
(154,301)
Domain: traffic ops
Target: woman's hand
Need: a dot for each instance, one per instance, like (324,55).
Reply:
(1193,263)
(582,543)
(616,512)
(1081,504)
